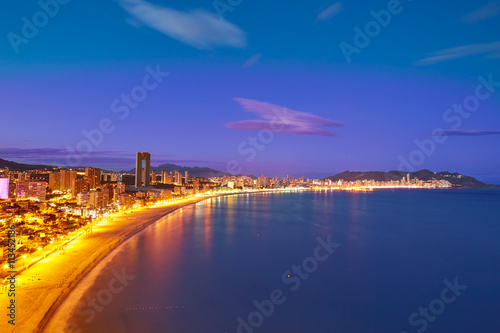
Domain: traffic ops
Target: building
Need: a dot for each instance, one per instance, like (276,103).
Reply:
(81,185)
(118,189)
(55,181)
(124,199)
(67,180)
(83,199)
(96,198)
(177,178)
(165,177)
(153,177)
(31,190)
(4,188)
(94,177)
(186,177)
(142,177)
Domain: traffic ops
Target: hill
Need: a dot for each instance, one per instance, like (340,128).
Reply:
(13,166)
(425,175)
(200,172)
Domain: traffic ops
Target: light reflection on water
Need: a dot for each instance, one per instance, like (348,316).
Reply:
(202,266)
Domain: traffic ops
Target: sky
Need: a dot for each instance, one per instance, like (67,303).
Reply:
(253,87)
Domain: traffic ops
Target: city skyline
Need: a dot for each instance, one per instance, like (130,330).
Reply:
(342,103)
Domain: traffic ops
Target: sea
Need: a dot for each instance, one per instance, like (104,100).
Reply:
(388,261)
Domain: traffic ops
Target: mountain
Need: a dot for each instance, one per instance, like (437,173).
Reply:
(13,166)
(193,171)
(425,175)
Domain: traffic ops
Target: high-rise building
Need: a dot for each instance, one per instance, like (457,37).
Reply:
(81,185)
(139,180)
(165,177)
(67,179)
(4,188)
(153,177)
(177,177)
(94,177)
(186,177)
(55,181)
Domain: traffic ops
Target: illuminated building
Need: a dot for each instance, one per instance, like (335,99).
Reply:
(4,188)
(94,177)
(55,181)
(165,177)
(96,198)
(186,176)
(153,177)
(139,179)
(83,199)
(67,179)
(177,177)
(31,190)
(81,185)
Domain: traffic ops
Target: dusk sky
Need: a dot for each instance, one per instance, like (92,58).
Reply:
(256,87)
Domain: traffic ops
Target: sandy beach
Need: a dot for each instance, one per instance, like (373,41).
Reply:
(42,288)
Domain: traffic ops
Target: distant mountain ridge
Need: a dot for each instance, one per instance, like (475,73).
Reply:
(14,166)
(200,172)
(425,175)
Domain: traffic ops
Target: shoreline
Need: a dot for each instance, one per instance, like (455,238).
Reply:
(37,302)
(50,316)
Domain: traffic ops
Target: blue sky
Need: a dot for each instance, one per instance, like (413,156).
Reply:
(231,77)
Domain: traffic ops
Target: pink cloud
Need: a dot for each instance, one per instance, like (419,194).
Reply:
(282,120)
(466,132)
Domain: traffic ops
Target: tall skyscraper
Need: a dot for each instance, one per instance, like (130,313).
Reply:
(177,177)
(67,179)
(139,180)
(4,188)
(165,177)
(55,181)
(94,177)
(186,176)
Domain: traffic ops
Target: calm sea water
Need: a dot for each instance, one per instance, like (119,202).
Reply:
(202,267)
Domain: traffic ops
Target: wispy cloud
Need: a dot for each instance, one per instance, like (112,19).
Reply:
(484,12)
(466,133)
(286,120)
(252,60)
(197,28)
(487,50)
(330,12)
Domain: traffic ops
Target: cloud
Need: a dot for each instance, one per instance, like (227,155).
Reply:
(282,120)
(252,60)
(197,28)
(329,12)
(484,12)
(466,133)
(488,50)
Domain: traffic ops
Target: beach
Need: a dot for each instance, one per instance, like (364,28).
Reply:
(42,288)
